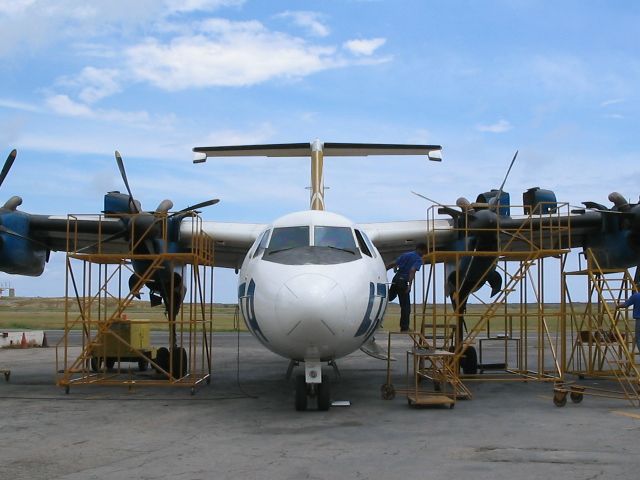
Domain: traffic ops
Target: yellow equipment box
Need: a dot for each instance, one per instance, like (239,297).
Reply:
(133,336)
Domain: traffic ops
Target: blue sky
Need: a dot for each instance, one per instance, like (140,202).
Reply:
(556,80)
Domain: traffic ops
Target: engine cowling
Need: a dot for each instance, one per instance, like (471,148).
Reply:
(19,254)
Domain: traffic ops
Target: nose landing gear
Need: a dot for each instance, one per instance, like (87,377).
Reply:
(320,391)
(313,385)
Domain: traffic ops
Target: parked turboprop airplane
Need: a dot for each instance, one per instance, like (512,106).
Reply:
(312,285)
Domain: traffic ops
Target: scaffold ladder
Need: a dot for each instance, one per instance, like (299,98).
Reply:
(602,338)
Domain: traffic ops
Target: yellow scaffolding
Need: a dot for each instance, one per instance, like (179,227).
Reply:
(598,340)
(516,321)
(94,283)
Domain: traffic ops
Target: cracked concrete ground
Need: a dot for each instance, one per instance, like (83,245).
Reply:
(251,431)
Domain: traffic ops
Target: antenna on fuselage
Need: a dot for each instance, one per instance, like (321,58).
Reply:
(317,150)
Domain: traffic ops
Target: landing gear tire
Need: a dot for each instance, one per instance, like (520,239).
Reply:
(162,359)
(7,376)
(301,393)
(110,362)
(180,363)
(324,396)
(469,362)
(95,363)
(143,365)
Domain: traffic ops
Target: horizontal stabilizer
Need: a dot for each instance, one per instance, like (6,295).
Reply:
(328,149)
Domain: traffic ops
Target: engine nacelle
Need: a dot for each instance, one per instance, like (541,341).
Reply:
(539,201)
(20,255)
(505,201)
(116,202)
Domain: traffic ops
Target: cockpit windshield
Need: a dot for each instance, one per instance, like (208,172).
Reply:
(286,238)
(334,237)
(329,246)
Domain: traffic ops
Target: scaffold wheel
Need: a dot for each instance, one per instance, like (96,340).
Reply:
(559,398)
(387,391)
(576,397)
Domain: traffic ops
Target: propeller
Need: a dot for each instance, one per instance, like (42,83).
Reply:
(443,208)
(15,201)
(123,174)
(197,206)
(7,165)
(13,233)
(495,201)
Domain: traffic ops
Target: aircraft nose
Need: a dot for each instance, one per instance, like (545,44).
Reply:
(311,302)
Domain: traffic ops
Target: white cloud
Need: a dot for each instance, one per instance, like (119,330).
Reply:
(65,106)
(37,24)
(500,126)
(261,134)
(227,53)
(94,83)
(613,101)
(309,20)
(183,6)
(17,105)
(14,7)
(364,47)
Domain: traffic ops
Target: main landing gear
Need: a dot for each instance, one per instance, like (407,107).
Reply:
(312,385)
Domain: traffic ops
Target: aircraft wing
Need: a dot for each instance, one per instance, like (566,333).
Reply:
(83,231)
(232,240)
(394,238)
(568,231)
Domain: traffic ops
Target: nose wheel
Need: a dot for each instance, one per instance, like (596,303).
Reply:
(320,391)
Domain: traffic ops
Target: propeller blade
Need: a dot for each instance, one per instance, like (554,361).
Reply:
(115,236)
(595,206)
(7,165)
(507,175)
(426,198)
(494,201)
(123,174)
(8,231)
(197,206)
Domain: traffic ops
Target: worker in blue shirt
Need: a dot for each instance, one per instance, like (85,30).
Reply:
(635,301)
(405,266)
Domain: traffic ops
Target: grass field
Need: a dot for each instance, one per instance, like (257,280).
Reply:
(49,314)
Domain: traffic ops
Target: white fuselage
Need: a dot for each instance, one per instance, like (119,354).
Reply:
(316,301)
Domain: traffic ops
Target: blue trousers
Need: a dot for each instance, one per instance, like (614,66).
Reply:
(405,309)
(638,333)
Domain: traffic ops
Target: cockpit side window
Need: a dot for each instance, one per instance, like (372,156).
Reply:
(364,248)
(286,238)
(262,244)
(334,237)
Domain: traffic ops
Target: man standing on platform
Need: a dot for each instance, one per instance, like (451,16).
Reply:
(635,301)
(406,266)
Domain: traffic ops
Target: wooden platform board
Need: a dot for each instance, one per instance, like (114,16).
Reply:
(430,400)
